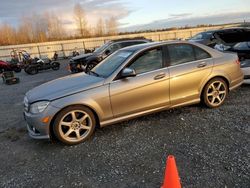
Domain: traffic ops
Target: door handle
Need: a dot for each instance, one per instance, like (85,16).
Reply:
(160,76)
(203,64)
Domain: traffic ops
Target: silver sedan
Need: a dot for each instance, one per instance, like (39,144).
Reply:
(132,82)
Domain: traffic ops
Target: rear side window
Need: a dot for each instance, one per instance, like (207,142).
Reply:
(180,53)
(200,53)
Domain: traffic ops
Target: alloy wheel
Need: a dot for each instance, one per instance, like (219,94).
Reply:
(75,126)
(216,93)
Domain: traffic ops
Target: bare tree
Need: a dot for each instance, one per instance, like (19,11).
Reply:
(112,26)
(81,21)
(55,26)
(25,33)
(8,34)
(100,28)
(39,28)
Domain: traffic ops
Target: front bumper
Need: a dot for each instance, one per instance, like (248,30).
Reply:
(36,128)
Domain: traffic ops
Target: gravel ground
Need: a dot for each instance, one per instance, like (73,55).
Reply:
(211,146)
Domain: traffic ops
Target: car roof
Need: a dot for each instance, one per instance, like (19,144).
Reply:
(149,45)
(141,47)
(129,39)
(225,29)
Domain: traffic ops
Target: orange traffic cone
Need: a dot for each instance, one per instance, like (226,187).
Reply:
(171,179)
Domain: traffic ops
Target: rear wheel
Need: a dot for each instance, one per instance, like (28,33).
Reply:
(215,93)
(31,70)
(74,125)
(17,69)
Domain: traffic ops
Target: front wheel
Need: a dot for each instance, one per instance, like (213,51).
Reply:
(31,70)
(55,66)
(74,125)
(215,93)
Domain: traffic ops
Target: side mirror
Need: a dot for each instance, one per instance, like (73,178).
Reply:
(128,72)
(107,52)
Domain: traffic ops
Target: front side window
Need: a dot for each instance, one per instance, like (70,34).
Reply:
(180,53)
(148,61)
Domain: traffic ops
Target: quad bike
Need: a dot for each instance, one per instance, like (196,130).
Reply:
(20,56)
(38,65)
(9,66)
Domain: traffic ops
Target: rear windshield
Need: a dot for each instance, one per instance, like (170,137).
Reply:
(202,36)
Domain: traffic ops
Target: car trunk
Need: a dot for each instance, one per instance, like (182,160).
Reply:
(230,37)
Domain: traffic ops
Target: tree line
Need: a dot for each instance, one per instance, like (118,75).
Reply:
(49,27)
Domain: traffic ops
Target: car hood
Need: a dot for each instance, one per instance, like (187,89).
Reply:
(83,56)
(63,86)
(230,37)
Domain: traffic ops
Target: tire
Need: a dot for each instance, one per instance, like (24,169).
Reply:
(17,69)
(55,66)
(90,66)
(31,70)
(215,92)
(67,126)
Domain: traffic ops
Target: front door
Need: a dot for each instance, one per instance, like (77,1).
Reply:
(149,89)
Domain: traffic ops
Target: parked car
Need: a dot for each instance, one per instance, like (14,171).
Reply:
(245,66)
(8,66)
(224,38)
(88,61)
(134,81)
(205,38)
(238,41)
(38,65)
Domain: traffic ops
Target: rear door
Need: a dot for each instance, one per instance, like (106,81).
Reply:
(189,67)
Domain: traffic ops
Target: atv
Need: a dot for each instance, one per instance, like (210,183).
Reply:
(38,65)
(9,66)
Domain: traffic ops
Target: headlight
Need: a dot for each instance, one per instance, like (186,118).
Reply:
(38,107)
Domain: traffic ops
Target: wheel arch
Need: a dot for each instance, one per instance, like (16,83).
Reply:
(213,77)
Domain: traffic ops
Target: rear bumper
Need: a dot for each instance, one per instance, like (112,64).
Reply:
(237,83)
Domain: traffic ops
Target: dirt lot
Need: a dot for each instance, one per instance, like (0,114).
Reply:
(211,146)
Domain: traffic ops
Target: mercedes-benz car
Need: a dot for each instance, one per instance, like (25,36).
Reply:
(132,82)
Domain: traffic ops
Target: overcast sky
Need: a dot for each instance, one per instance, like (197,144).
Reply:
(133,14)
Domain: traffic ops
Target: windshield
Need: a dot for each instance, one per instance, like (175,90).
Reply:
(110,64)
(202,36)
(102,48)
